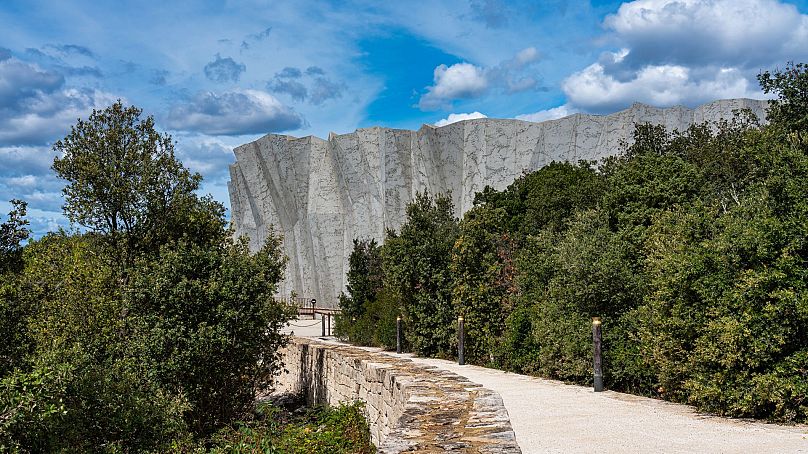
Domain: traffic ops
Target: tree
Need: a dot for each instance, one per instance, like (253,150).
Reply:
(124,181)
(483,280)
(364,277)
(416,266)
(790,110)
(12,233)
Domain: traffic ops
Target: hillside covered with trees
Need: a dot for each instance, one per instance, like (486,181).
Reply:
(692,246)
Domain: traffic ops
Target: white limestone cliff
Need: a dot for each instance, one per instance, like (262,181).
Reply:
(321,194)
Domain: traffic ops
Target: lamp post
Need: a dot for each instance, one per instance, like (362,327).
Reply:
(597,363)
(461,338)
(398,334)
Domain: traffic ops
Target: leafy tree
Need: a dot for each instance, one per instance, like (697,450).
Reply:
(125,183)
(78,390)
(483,281)
(12,233)
(364,277)
(416,266)
(546,197)
(207,326)
(790,110)
(14,341)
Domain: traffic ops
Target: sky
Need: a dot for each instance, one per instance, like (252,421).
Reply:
(217,74)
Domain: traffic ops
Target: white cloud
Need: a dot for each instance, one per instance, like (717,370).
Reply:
(742,33)
(234,113)
(549,114)
(459,81)
(688,52)
(466,81)
(594,90)
(23,181)
(36,107)
(455,117)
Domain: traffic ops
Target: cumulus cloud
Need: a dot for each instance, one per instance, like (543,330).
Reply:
(293,88)
(740,33)
(35,105)
(459,81)
(548,114)
(455,117)
(234,113)
(26,175)
(223,70)
(688,52)
(325,89)
(315,71)
(662,85)
(467,81)
(289,73)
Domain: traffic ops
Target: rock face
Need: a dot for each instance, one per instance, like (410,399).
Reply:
(321,194)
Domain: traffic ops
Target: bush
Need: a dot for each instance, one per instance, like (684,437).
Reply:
(322,430)
(208,327)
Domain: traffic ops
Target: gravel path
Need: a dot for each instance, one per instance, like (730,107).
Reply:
(552,417)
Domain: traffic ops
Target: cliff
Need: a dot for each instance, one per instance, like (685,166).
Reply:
(321,194)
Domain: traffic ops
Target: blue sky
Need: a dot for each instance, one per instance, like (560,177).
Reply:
(216,74)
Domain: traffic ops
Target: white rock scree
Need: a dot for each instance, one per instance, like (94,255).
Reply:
(322,194)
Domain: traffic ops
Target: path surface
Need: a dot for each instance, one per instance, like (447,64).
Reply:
(552,417)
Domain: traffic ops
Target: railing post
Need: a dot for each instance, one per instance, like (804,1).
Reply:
(329,325)
(398,334)
(313,303)
(322,323)
(597,363)
(461,339)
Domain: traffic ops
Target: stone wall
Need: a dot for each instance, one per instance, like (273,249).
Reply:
(409,407)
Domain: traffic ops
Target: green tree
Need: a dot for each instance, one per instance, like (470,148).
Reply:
(483,281)
(364,277)
(207,327)
(790,109)
(12,233)
(125,183)
(416,267)
(546,197)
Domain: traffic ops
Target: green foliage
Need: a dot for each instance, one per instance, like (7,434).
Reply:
(364,278)
(416,268)
(545,198)
(125,183)
(690,246)
(483,280)
(321,430)
(790,85)
(12,233)
(80,389)
(153,329)
(208,326)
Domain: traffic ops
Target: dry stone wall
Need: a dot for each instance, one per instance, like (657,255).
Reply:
(322,194)
(409,407)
